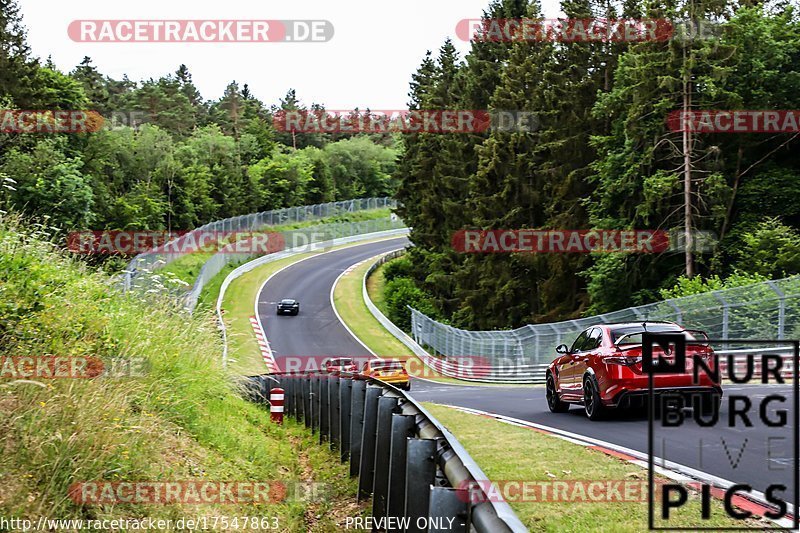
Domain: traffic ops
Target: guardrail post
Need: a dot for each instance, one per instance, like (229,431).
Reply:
(315,402)
(324,412)
(420,475)
(448,510)
(345,392)
(295,408)
(287,386)
(387,405)
(333,405)
(299,406)
(297,397)
(402,429)
(307,400)
(356,423)
(366,464)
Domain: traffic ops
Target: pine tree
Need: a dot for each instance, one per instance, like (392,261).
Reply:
(648,176)
(17,67)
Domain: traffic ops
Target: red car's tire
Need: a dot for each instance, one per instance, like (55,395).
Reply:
(709,404)
(594,408)
(554,403)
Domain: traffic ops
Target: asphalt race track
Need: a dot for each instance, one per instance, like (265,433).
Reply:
(759,455)
(316,331)
(723,447)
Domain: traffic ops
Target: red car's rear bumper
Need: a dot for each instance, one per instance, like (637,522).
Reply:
(621,385)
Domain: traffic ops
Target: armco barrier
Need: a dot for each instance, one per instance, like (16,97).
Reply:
(404,458)
(247,267)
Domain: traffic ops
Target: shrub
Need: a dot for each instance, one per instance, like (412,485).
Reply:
(397,268)
(401,293)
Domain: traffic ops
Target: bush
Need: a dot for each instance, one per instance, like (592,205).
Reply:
(698,285)
(772,250)
(397,268)
(403,292)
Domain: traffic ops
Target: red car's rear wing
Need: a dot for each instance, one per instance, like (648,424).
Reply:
(693,332)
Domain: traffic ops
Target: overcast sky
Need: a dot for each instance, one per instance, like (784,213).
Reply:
(376,47)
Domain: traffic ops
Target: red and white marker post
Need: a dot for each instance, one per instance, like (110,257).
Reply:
(276,405)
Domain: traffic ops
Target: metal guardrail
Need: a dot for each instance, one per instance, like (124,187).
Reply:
(404,458)
(762,310)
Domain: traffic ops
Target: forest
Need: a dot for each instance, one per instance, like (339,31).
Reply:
(165,157)
(603,156)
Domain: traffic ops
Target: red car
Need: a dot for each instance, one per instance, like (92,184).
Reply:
(603,370)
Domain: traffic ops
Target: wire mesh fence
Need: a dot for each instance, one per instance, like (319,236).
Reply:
(309,238)
(143,272)
(769,310)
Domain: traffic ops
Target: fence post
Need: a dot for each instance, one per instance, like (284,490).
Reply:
(356,423)
(781,308)
(420,475)
(402,430)
(725,309)
(345,393)
(387,405)
(366,465)
(448,504)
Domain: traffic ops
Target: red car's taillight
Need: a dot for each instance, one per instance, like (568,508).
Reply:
(623,360)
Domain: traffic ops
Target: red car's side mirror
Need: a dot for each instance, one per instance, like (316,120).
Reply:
(562,349)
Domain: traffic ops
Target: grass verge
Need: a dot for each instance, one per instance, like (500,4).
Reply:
(349,302)
(182,419)
(375,286)
(518,453)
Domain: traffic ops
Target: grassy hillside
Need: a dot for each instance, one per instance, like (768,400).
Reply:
(182,419)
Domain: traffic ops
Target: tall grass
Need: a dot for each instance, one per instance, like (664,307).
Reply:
(183,419)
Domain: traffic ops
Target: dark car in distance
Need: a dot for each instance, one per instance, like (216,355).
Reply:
(602,370)
(288,306)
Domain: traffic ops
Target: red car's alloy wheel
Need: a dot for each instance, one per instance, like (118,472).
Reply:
(553,401)
(591,400)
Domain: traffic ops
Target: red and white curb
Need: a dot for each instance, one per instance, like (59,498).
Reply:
(680,473)
(263,344)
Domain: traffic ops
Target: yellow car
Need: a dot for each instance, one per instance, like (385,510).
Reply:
(388,370)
